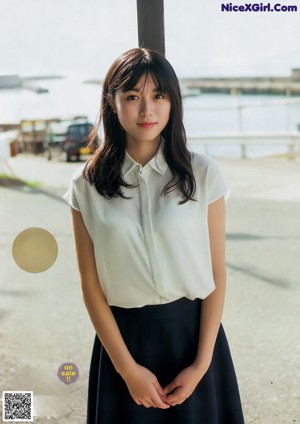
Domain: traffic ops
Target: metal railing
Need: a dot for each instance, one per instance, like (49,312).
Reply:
(290,139)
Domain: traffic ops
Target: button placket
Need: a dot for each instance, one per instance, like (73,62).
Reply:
(147,226)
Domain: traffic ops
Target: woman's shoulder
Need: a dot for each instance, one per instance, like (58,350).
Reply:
(202,162)
(77,175)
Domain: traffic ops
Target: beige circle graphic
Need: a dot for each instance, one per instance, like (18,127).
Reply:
(35,250)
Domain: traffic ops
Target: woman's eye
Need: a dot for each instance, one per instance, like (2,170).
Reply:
(132,97)
(159,96)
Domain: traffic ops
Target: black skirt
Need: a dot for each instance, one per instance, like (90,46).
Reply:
(164,339)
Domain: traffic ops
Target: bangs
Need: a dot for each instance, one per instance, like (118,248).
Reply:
(160,79)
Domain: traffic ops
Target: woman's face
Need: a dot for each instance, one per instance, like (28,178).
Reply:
(142,111)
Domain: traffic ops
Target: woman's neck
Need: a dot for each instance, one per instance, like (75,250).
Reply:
(142,152)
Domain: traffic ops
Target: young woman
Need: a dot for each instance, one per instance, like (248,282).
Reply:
(149,229)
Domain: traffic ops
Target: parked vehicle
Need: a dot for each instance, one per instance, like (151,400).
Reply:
(55,138)
(76,140)
(69,138)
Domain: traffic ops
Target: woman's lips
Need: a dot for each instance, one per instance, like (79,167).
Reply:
(147,124)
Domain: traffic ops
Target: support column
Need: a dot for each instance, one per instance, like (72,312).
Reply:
(151,30)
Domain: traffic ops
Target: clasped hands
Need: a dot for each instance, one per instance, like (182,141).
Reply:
(146,390)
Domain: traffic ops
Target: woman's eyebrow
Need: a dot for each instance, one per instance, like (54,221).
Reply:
(138,90)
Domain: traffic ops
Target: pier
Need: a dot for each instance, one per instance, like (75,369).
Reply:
(15,82)
(276,85)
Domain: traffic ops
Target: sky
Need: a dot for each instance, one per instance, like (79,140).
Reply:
(82,37)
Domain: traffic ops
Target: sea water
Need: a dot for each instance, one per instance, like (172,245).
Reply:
(204,114)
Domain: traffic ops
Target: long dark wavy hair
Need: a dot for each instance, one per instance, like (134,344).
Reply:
(103,170)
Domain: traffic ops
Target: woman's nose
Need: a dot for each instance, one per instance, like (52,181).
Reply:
(145,108)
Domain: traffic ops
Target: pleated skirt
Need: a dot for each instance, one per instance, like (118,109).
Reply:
(164,339)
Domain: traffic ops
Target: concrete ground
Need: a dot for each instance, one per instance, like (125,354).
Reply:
(44,322)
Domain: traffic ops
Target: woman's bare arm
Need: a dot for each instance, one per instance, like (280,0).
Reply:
(212,306)
(142,384)
(211,311)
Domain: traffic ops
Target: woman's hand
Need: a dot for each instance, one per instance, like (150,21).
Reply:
(145,388)
(183,385)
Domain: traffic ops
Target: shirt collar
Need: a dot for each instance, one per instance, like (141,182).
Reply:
(158,162)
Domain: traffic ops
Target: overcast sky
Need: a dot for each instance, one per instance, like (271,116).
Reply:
(83,37)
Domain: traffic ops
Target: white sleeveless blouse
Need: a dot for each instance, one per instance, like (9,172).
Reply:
(148,249)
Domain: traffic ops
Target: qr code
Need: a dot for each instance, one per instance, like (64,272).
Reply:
(17,406)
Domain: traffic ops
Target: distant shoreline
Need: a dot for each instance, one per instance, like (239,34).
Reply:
(289,85)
